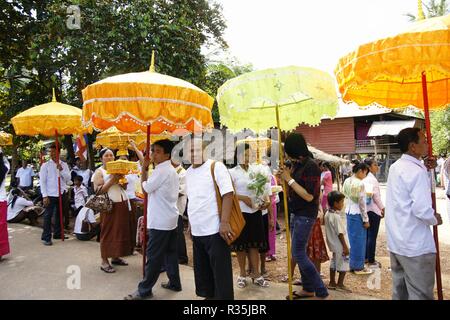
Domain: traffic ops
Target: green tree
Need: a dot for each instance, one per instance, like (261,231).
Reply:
(440,130)
(218,72)
(38,51)
(433,9)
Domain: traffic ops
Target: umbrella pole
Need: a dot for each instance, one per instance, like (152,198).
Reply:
(59,187)
(433,194)
(286,209)
(144,242)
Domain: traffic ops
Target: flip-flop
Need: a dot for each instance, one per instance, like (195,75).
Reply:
(119,262)
(107,269)
(296,296)
(331,287)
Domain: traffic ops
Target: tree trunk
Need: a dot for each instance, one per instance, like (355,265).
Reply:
(91,151)
(14,161)
(68,144)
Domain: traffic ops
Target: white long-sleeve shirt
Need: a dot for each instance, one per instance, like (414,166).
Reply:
(375,205)
(182,197)
(409,212)
(48,177)
(3,194)
(162,188)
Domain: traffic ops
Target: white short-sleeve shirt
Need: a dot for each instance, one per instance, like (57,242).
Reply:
(203,211)
(19,205)
(85,212)
(162,188)
(25,176)
(241,179)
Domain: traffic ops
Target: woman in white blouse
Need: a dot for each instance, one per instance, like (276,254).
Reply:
(116,238)
(20,209)
(357,218)
(252,239)
(375,211)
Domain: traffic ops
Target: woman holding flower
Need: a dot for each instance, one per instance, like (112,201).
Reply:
(252,187)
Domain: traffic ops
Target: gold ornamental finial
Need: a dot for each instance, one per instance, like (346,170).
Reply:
(54,96)
(420,14)
(152,64)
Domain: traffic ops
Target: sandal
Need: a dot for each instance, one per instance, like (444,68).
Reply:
(241,282)
(330,287)
(136,296)
(343,289)
(119,262)
(294,282)
(108,269)
(297,283)
(297,296)
(260,282)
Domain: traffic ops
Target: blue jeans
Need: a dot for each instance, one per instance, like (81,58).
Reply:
(372,234)
(357,237)
(311,280)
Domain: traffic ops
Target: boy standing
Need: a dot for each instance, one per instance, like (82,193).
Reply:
(337,241)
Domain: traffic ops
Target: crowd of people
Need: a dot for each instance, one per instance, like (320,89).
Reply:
(204,193)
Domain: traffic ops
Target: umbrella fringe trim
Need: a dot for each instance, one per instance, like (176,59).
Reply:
(119,99)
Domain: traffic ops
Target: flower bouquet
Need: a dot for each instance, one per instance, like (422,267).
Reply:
(259,185)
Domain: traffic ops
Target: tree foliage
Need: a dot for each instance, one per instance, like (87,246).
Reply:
(218,73)
(38,51)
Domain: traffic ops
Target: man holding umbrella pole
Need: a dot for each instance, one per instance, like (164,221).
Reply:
(409,215)
(48,176)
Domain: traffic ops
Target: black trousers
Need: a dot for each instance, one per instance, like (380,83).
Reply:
(51,211)
(212,268)
(182,251)
(95,232)
(161,250)
(66,209)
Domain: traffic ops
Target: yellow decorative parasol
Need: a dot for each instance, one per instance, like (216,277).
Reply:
(50,119)
(132,101)
(147,101)
(411,68)
(260,145)
(5,139)
(44,119)
(282,97)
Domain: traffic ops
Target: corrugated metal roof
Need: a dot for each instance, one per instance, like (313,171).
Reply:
(389,128)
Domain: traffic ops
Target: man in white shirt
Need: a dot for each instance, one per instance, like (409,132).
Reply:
(181,205)
(212,257)
(80,194)
(84,172)
(162,188)
(25,176)
(409,215)
(48,177)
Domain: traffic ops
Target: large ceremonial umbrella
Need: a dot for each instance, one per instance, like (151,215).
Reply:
(50,119)
(5,139)
(282,98)
(146,101)
(411,68)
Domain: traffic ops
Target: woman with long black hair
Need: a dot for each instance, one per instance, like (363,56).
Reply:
(4,242)
(303,180)
(20,208)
